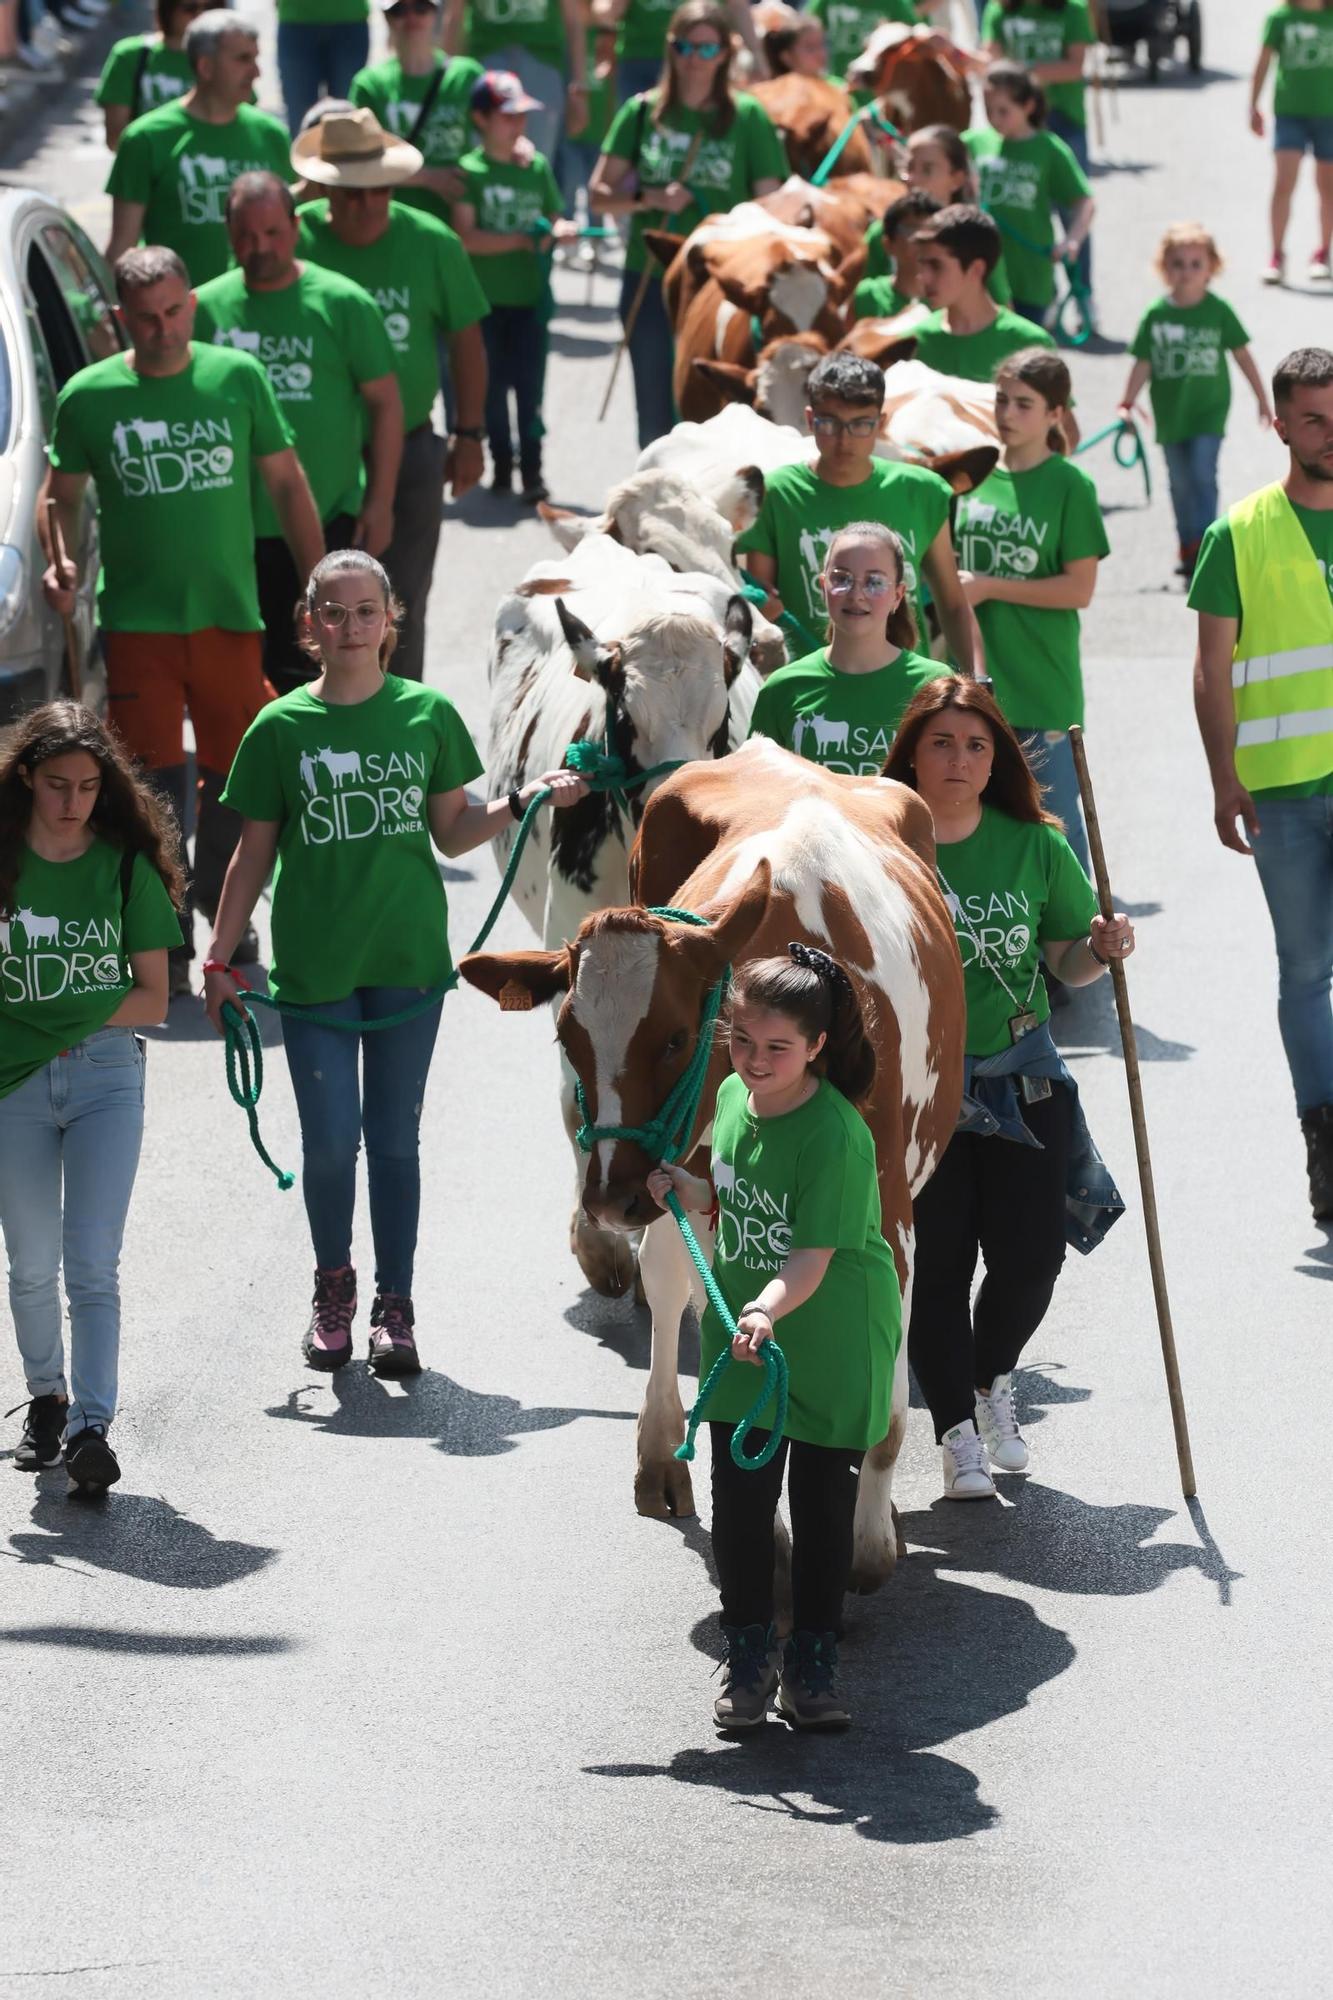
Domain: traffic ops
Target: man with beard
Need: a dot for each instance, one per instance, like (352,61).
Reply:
(321,339)
(1263,694)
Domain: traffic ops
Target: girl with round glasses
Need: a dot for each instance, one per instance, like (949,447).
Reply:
(840,705)
(690,147)
(348,784)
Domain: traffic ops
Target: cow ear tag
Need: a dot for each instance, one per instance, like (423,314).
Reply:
(515,998)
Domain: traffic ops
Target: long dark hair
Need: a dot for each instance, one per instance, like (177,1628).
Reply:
(698,14)
(128,814)
(815,993)
(1011,786)
(1042,369)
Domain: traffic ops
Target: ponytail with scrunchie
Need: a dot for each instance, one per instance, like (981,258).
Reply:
(817,995)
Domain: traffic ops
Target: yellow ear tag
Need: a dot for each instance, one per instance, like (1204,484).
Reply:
(515,998)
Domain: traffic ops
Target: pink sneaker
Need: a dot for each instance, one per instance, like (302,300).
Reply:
(327,1341)
(1274,271)
(393,1347)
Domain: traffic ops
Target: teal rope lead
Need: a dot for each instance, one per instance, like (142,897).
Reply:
(772,1359)
(1128,449)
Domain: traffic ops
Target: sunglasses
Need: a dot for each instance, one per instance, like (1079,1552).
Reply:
(701,51)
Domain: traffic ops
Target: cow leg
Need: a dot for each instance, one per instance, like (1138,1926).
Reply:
(606,1257)
(876,1542)
(662,1481)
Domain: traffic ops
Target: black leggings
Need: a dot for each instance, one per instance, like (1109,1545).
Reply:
(821,1495)
(1006,1202)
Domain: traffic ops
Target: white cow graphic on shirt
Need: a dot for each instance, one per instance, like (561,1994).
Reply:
(38,930)
(341,764)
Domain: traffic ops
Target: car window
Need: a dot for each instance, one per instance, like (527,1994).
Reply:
(6,394)
(60,336)
(43,366)
(86,294)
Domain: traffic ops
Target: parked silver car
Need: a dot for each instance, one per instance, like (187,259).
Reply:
(56,315)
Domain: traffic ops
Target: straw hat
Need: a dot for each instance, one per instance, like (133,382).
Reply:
(352,149)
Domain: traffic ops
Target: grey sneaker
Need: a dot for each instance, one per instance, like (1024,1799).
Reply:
(750,1674)
(805,1691)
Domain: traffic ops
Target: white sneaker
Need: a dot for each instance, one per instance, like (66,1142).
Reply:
(1318,267)
(999,1427)
(965,1474)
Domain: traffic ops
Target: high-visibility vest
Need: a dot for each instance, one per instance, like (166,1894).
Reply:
(1282,668)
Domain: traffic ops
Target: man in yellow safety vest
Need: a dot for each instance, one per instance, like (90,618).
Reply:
(1263,694)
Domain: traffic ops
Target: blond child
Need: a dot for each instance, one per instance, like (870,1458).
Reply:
(1181,350)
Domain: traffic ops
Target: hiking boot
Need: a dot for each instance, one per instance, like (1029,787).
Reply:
(327,1341)
(393,1348)
(805,1690)
(1317,1126)
(965,1474)
(43,1428)
(502,476)
(750,1674)
(90,1461)
(999,1427)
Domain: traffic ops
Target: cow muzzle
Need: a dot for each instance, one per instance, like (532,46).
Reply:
(622,1205)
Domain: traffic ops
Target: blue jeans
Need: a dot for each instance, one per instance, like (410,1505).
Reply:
(544,81)
(1051,761)
(1294,855)
(1304,135)
(69,1151)
(1191,470)
(1076,138)
(318,59)
(652,356)
(336,1105)
(515,361)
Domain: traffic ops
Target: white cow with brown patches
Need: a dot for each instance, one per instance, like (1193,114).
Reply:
(768,848)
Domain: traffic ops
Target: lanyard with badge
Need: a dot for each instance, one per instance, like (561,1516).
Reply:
(1023,1020)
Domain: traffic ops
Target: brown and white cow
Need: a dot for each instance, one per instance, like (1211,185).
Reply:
(810,113)
(769,848)
(916,76)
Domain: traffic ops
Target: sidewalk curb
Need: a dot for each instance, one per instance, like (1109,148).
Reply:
(27,98)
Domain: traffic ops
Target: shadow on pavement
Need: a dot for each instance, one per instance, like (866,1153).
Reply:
(625,1328)
(134,1535)
(464,1423)
(1319,1256)
(1089,1025)
(104,1639)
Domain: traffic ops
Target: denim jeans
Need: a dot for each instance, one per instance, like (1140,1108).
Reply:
(1294,854)
(336,1105)
(515,362)
(652,356)
(1051,761)
(1191,470)
(1076,138)
(69,1150)
(544,81)
(318,59)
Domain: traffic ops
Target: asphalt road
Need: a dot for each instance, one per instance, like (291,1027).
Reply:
(353,1689)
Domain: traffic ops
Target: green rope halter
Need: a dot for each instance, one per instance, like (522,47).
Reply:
(665,1138)
(1128,450)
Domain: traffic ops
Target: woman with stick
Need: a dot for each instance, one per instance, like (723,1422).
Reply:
(691,147)
(1020,1175)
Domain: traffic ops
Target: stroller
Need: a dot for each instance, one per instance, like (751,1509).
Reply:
(1157,25)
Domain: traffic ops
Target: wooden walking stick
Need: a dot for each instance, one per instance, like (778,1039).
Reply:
(645,279)
(59,558)
(1135,1086)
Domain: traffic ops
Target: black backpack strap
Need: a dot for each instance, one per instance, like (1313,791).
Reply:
(126,882)
(140,72)
(427,104)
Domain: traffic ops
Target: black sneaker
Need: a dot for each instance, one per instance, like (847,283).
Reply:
(502,478)
(805,1691)
(1317,1126)
(534,489)
(90,1461)
(43,1428)
(393,1347)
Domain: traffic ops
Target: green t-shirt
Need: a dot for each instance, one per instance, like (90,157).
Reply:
(1012,886)
(1034,34)
(448,132)
(878,298)
(643,30)
(357,895)
(165,76)
(319,339)
(880,265)
(1304,45)
(801,513)
(320,13)
(845,722)
(181,169)
(976,356)
(806,1180)
(506,197)
(849,24)
(419,276)
(1030,524)
(63,952)
(1186,348)
(1021,182)
(535,25)
(724,171)
(173,459)
(1215,587)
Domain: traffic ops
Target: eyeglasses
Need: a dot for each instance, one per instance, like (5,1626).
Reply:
(857,427)
(875,584)
(702,51)
(335,616)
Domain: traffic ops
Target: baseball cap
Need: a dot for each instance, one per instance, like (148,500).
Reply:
(501,90)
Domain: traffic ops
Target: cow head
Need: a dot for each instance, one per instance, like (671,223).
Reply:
(769,275)
(777,385)
(634,988)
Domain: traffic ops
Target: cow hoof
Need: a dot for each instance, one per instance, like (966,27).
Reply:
(663,1491)
(608,1261)
(872,1567)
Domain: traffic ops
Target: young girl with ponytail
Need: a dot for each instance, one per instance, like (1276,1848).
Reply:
(1029,541)
(1025,174)
(799,1251)
(840,706)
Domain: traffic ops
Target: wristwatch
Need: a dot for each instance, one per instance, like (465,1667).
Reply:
(473,431)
